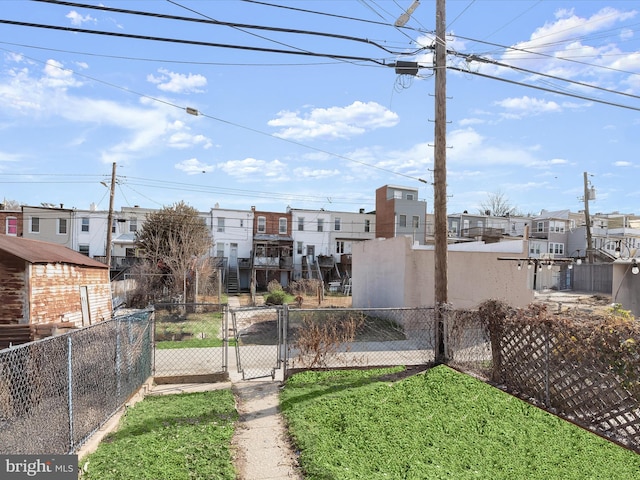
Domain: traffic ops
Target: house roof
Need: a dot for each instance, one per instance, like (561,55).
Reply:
(35,251)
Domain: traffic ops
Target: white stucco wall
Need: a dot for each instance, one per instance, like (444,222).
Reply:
(390,273)
(626,287)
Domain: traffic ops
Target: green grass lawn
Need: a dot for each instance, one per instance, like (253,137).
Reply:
(193,330)
(436,425)
(172,437)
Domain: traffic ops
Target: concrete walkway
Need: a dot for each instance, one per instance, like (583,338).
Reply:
(262,449)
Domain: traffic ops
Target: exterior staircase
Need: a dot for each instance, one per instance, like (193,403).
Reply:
(233,282)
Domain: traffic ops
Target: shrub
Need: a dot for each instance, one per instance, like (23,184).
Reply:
(276,297)
(274,286)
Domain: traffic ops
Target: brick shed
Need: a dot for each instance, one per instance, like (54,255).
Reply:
(45,286)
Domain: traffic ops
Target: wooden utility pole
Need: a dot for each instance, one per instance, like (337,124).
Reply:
(440,178)
(587,218)
(110,215)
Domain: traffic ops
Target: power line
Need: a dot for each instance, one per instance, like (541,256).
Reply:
(581,97)
(192,42)
(211,21)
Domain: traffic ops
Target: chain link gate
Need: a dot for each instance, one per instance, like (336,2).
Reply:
(259,340)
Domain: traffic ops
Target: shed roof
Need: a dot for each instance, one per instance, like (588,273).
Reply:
(35,251)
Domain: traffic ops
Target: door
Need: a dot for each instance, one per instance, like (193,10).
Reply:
(84,303)
(233,255)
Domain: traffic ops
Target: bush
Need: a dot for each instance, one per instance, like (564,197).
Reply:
(276,297)
(274,286)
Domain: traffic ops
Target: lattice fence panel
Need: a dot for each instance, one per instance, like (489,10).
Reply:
(576,368)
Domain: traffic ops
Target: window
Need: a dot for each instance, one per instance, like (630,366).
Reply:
(282,226)
(336,225)
(262,224)
(62,226)
(339,247)
(85,224)
(556,248)
(402,222)
(220,224)
(397,194)
(556,226)
(415,221)
(114,224)
(321,224)
(299,248)
(133,224)
(241,223)
(35,225)
(130,252)
(83,249)
(409,196)
(540,227)
(219,249)
(367,225)
(12,226)
(301,224)
(534,248)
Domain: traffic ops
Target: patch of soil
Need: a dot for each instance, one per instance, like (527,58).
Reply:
(569,301)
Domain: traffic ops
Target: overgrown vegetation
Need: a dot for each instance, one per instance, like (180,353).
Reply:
(610,343)
(174,243)
(319,339)
(277,295)
(171,437)
(438,425)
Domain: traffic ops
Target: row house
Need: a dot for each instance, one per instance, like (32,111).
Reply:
(323,241)
(466,227)
(232,246)
(399,212)
(272,248)
(10,221)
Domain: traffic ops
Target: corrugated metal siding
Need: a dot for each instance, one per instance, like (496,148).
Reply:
(12,291)
(55,293)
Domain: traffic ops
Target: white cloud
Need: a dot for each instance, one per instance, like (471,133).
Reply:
(78,19)
(470,121)
(525,106)
(253,169)
(622,163)
(314,173)
(177,82)
(193,166)
(334,122)
(56,76)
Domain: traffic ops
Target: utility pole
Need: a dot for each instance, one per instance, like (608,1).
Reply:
(587,218)
(110,215)
(440,178)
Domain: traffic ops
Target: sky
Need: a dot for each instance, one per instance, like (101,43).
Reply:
(298,103)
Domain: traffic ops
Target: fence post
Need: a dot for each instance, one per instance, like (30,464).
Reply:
(283,340)
(547,401)
(118,359)
(70,391)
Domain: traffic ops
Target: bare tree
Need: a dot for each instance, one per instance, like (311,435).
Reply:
(498,205)
(175,242)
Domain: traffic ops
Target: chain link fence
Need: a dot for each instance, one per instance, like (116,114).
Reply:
(55,393)
(258,336)
(189,341)
(337,337)
(467,343)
